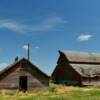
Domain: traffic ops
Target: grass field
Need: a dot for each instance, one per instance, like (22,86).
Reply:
(56,93)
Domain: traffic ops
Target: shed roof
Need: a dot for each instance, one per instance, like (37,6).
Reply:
(81,56)
(87,70)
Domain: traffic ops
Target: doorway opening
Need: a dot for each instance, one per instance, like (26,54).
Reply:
(23,83)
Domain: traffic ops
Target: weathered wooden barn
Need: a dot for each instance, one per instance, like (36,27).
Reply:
(22,75)
(77,68)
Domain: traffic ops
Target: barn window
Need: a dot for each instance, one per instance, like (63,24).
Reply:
(23,83)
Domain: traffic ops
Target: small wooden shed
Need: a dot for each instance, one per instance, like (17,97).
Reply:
(77,68)
(22,75)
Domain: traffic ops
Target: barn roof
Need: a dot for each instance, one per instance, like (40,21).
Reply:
(86,64)
(19,61)
(81,56)
(87,70)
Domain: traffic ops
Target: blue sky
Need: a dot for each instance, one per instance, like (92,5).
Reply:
(48,25)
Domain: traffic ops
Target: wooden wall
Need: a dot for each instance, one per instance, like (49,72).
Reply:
(65,74)
(10,79)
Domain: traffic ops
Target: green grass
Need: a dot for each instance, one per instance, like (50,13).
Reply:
(56,93)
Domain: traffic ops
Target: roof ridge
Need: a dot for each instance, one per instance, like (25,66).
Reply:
(80,52)
(11,65)
(76,56)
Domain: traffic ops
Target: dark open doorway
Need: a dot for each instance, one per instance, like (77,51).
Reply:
(23,83)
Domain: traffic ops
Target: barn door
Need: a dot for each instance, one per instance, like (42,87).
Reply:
(23,83)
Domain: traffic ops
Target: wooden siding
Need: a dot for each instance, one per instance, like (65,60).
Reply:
(91,81)
(65,74)
(82,68)
(9,80)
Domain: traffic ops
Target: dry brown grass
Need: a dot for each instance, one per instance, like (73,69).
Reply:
(65,89)
(56,92)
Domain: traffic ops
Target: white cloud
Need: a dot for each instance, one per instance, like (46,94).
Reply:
(46,24)
(36,47)
(51,23)
(25,47)
(3,65)
(84,37)
(13,26)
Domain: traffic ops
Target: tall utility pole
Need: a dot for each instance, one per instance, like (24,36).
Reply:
(28,52)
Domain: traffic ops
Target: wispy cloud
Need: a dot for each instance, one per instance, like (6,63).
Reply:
(3,65)
(13,26)
(84,37)
(47,24)
(25,47)
(50,23)
(37,47)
